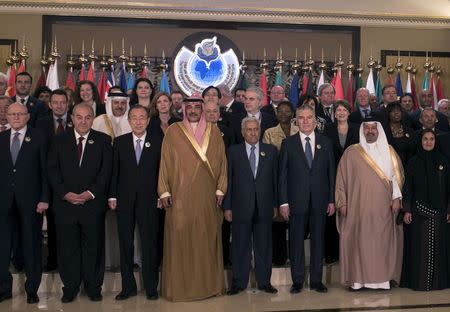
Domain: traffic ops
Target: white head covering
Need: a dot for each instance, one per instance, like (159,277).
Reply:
(120,124)
(380,154)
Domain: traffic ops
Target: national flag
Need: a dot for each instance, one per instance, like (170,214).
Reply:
(294,91)
(350,90)
(439,91)
(413,92)
(90,74)
(130,83)
(321,81)
(305,83)
(103,87)
(333,80)
(144,72)
(338,86)
(389,80)
(243,84)
(164,85)
(378,88)
(70,81)
(11,91)
(433,91)
(370,85)
(426,81)
(111,80)
(42,79)
(263,86)
(81,75)
(398,85)
(309,86)
(52,76)
(122,78)
(278,79)
(22,66)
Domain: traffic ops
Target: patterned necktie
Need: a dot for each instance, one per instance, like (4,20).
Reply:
(138,150)
(366,113)
(22,101)
(252,159)
(60,128)
(15,147)
(80,148)
(308,152)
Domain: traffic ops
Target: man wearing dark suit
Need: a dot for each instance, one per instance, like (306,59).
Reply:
(228,105)
(254,98)
(426,100)
(325,109)
(306,195)
(276,97)
(36,108)
(24,193)
(79,169)
(249,205)
(212,115)
(364,111)
(57,122)
(239,94)
(134,197)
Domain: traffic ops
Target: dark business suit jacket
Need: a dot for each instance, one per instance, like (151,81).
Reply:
(298,184)
(94,174)
(357,118)
(443,144)
(47,126)
(268,109)
(331,131)
(442,121)
(267,121)
(36,108)
(242,186)
(155,125)
(227,134)
(235,108)
(320,112)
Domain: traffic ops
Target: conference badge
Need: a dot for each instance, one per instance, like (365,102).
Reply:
(27,139)
(262,154)
(319,146)
(147,144)
(91,141)
(70,124)
(441,167)
(407,135)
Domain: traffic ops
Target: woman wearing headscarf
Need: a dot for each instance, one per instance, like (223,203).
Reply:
(427,212)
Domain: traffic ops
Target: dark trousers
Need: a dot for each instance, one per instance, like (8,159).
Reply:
(30,224)
(331,240)
(241,248)
(147,221)
(51,238)
(297,229)
(81,247)
(226,232)
(279,243)
(17,252)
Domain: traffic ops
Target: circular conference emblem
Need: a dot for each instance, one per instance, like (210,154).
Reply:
(205,65)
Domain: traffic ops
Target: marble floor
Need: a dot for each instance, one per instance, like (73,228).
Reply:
(336,300)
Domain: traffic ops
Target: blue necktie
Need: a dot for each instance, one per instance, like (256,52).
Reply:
(15,147)
(252,159)
(366,113)
(308,152)
(138,150)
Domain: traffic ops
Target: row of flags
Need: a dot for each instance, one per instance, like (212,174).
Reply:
(107,78)
(373,84)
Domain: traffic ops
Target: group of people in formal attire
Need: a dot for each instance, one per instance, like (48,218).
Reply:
(164,182)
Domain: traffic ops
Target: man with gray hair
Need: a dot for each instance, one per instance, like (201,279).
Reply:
(254,98)
(250,204)
(364,111)
(426,100)
(3,83)
(228,105)
(444,108)
(326,94)
(4,103)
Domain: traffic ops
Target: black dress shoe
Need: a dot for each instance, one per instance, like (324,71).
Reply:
(296,288)
(50,268)
(32,298)
(152,295)
(234,290)
(66,298)
(95,297)
(319,287)
(5,296)
(268,289)
(126,294)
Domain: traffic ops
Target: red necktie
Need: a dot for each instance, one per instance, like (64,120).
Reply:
(80,148)
(60,128)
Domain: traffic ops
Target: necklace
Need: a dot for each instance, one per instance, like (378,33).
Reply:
(397,132)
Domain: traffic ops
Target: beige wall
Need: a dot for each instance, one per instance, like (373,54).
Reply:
(15,27)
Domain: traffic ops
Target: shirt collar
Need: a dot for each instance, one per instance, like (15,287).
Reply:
(229,104)
(135,138)
(21,131)
(64,117)
(77,135)
(248,146)
(303,136)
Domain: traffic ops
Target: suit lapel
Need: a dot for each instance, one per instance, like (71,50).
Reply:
(131,149)
(87,149)
(6,145)
(262,159)
(245,159)
(317,148)
(146,148)
(24,147)
(300,150)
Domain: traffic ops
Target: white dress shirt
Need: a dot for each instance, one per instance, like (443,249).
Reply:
(142,138)
(18,99)
(227,107)
(64,119)
(257,115)
(312,141)
(83,143)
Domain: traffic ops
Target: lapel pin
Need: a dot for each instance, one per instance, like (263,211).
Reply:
(230,110)
(147,144)
(70,124)
(262,154)
(27,139)
(319,146)
(221,133)
(407,135)
(441,167)
(91,141)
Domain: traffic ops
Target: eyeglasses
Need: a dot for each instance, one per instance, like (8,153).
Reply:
(16,114)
